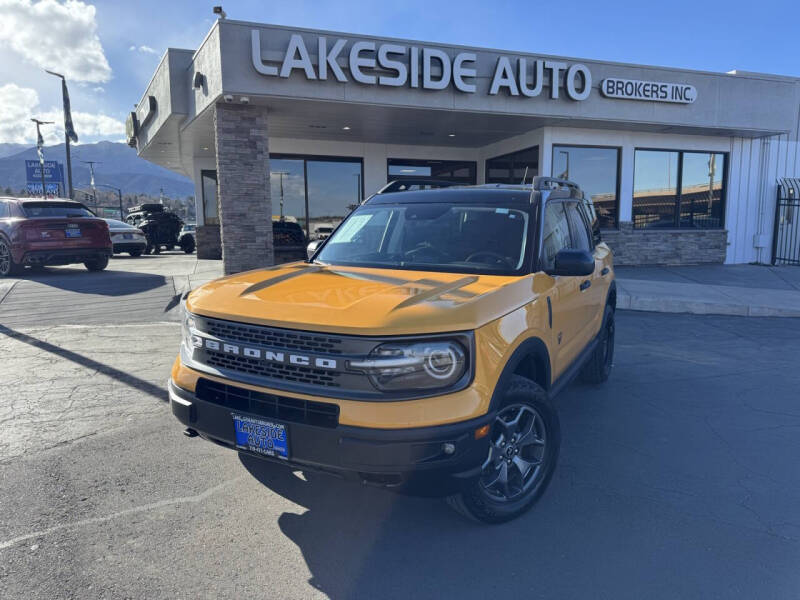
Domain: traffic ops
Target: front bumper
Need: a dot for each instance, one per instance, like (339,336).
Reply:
(413,461)
(64,256)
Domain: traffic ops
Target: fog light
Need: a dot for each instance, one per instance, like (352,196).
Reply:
(448,448)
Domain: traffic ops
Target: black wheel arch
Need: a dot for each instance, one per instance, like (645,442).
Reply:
(531,360)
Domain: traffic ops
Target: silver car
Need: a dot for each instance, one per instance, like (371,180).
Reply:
(126,238)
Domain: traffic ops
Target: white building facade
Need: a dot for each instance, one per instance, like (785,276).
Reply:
(279,125)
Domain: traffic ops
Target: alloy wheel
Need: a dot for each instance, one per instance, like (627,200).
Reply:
(516,453)
(5,259)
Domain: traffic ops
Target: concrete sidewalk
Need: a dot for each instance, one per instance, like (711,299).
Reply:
(741,290)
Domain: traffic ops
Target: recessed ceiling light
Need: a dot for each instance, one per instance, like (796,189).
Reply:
(346,128)
(451,135)
(205,147)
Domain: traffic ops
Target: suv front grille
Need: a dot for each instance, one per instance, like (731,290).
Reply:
(260,368)
(276,338)
(271,406)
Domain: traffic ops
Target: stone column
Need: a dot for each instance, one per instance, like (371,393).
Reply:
(243,190)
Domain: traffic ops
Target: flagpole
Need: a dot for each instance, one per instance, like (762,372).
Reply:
(40,151)
(69,130)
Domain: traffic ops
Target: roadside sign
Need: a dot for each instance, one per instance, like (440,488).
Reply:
(53,189)
(53,173)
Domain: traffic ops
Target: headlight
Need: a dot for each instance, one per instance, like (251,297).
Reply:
(189,340)
(406,366)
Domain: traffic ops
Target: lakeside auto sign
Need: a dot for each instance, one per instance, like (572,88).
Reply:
(401,65)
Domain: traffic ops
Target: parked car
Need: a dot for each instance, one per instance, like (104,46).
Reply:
(162,228)
(126,238)
(187,236)
(420,350)
(39,232)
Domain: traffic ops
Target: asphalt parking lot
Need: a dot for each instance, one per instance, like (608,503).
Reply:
(677,479)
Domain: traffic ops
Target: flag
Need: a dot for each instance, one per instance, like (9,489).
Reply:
(68,127)
(39,145)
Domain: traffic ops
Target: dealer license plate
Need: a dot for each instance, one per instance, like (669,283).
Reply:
(261,437)
(72,233)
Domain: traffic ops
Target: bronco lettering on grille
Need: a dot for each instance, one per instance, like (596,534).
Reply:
(270,355)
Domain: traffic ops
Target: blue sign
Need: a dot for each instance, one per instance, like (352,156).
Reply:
(36,188)
(53,172)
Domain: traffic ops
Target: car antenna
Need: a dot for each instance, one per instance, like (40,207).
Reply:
(525,176)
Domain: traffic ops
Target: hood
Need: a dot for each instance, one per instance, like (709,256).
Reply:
(361,300)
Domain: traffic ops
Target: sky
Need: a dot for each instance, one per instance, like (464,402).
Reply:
(109,50)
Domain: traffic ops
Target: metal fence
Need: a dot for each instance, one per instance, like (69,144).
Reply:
(786,236)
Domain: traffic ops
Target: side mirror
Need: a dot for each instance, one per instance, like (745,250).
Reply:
(573,263)
(311,248)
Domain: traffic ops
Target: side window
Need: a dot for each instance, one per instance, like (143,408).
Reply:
(556,234)
(581,238)
(3,210)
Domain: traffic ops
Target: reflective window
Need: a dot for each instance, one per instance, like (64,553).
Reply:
(210,208)
(581,240)
(556,234)
(701,190)
(513,167)
(596,170)
(678,189)
(316,194)
(457,171)
(3,210)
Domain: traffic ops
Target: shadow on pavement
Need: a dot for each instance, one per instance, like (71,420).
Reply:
(361,542)
(105,283)
(148,388)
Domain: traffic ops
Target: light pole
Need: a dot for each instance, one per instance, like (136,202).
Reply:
(281,173)
(119,195)
(91,164)
(69,130)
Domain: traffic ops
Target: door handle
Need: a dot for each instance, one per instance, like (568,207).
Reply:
(586,284)
(604,271)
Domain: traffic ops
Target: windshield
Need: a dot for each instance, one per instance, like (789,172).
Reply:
(55,209)
(465,238)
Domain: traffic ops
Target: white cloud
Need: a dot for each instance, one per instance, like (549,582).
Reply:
(99,89)
(60,36)
(144,50)
(18,105)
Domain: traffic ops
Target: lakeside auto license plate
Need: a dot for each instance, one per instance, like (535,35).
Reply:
(261,437)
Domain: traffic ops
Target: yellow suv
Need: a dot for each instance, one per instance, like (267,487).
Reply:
(418,349)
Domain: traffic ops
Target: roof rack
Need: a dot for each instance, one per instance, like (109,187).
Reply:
(552,183)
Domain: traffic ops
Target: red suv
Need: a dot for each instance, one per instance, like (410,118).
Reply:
(38,232)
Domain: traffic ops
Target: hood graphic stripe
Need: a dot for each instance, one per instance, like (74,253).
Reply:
(435,292)
(261,285)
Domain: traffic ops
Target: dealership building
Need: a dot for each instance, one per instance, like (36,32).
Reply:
(285,124)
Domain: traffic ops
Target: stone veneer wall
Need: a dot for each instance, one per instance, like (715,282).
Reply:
(243,190)
(208,241)
(666,246)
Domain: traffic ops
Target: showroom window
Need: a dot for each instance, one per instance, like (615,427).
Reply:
(315,192)
(679,189)
(456,171)
(596,170)
(512,168)
(210,207)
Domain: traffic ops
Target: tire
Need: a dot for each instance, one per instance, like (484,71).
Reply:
(187,244)
(483,498)
(135,253)
(7,265)
(98,264)
(598,367)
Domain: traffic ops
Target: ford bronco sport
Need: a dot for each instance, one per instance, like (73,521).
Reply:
(419,348)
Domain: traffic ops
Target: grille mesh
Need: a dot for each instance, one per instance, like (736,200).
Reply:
(276,338)
(252,366)
(294,410)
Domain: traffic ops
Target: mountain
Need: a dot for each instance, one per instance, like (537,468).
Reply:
(11,149)
(117,165)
